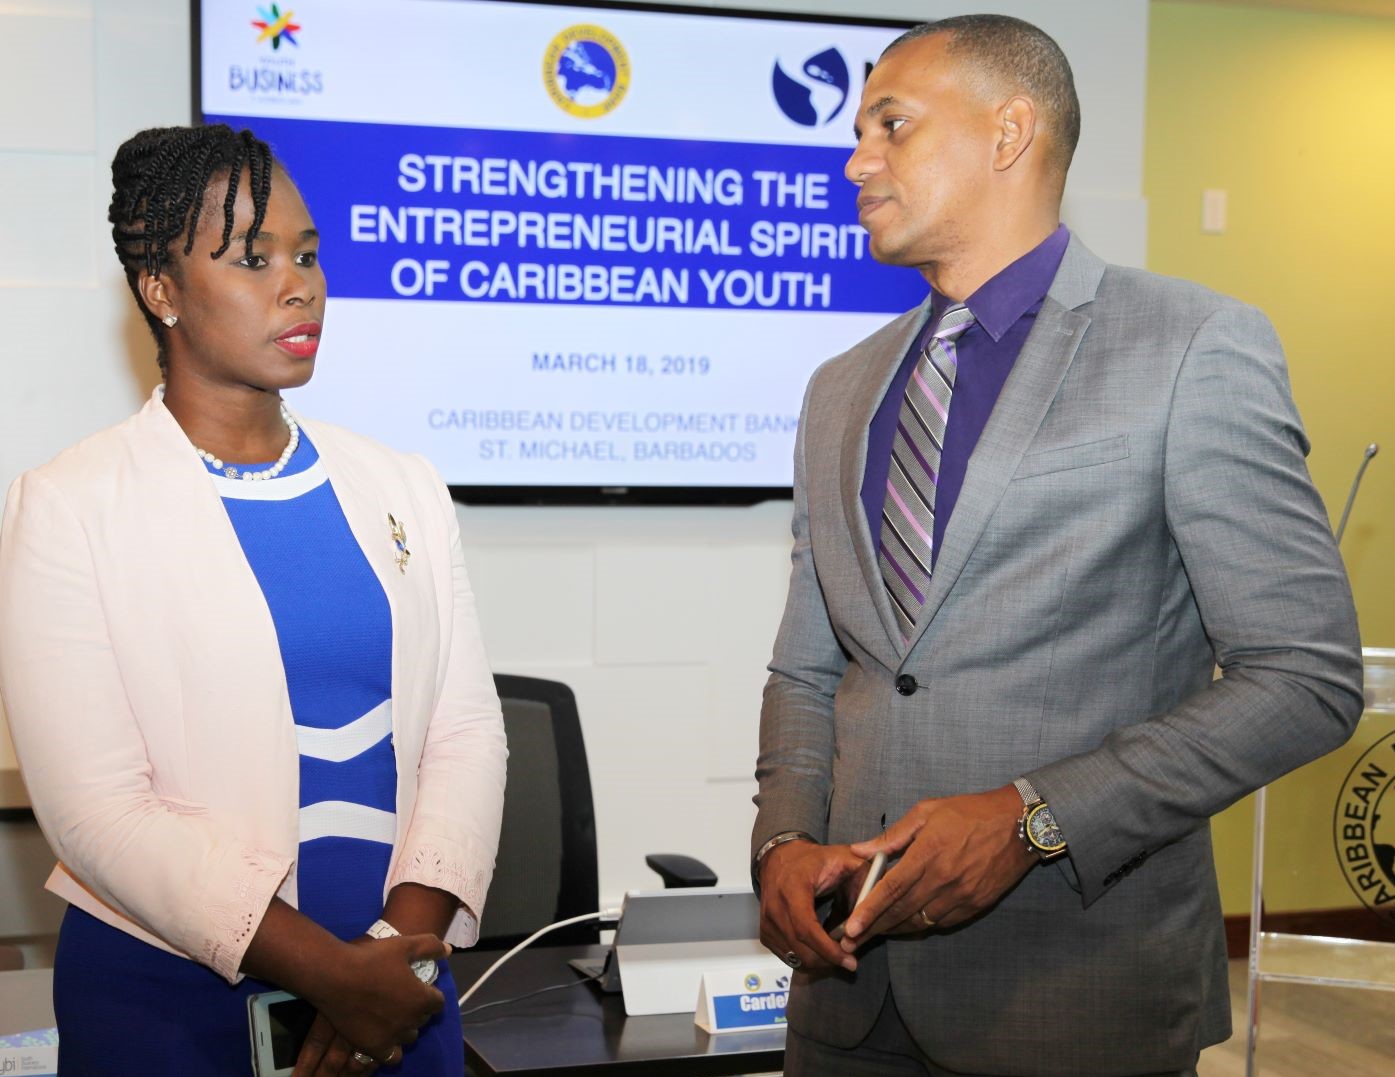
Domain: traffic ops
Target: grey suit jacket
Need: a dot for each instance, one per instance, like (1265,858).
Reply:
(1137,512)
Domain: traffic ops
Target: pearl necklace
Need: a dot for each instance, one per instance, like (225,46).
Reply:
(271,472)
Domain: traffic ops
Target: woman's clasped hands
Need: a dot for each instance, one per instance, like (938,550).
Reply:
(371,1006)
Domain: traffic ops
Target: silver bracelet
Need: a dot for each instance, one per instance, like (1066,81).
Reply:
(764,851)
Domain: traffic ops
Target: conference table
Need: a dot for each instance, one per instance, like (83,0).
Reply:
(571,1028)
(573,1031)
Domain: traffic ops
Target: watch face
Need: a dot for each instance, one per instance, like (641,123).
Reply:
(1042,830)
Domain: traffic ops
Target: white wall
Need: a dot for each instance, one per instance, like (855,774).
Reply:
(660,619)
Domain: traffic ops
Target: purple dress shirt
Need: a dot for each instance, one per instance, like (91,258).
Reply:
(1005,309)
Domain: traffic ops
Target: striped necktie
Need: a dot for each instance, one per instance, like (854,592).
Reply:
(908,513)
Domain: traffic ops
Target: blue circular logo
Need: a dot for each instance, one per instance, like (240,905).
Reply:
(816,92)
(586,71)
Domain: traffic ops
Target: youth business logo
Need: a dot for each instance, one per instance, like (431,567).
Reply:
(276,27)
(817,90)
(586,71)
(276,74)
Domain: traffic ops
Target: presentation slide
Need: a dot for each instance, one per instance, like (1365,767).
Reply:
(599,249)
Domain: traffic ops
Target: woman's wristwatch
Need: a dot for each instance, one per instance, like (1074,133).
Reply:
(425,969)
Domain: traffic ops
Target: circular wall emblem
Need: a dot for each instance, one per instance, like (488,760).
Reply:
(752,982)
(1363,827)
(814,91)
(586,71)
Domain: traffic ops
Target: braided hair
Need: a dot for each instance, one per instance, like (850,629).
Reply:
(160,178)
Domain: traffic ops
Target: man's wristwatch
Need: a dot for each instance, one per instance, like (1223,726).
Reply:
(1037,827)
(425,969)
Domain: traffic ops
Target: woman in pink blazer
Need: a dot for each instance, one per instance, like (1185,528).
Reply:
(243,672)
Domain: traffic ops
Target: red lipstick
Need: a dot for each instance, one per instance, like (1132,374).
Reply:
(302,340)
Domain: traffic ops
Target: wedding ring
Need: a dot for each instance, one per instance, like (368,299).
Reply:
(925,919)
(792,960)
(363,1059)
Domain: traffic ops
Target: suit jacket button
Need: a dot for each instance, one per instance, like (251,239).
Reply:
(905,684)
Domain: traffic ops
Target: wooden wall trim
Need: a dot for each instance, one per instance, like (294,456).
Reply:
(1357,922)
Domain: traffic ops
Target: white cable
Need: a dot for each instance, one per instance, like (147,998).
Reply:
(603,914)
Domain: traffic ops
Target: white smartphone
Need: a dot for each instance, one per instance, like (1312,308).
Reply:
(873,874)
(277,1022)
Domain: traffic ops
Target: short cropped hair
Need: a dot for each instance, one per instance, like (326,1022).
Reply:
(1004,52)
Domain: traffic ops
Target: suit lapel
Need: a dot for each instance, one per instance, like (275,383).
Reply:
(883,360)
(367,495)
(225,658)
(359,497)
(368,520)
(1030,388)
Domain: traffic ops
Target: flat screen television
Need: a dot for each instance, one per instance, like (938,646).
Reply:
(576,253)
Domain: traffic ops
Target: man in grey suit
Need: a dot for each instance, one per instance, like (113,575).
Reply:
(1031,518)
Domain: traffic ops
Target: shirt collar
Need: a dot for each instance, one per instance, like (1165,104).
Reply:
(1004,298)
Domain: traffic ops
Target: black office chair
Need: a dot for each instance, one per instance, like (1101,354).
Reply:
(546,869)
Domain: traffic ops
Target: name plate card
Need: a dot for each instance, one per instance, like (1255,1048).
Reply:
(29,1054)
(734,1000)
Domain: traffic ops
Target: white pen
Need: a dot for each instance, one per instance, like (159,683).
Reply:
(873,874)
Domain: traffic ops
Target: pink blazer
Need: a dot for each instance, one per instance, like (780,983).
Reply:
(140,672)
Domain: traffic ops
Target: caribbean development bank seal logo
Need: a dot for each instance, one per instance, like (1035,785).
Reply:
(1364,828)
(586,71)
(814,91)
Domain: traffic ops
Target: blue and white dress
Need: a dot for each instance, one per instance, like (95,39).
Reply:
(334,628)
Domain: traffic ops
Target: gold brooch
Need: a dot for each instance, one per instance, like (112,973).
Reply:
(399,538)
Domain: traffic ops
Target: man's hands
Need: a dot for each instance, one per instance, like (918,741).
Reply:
(792,877)
(959,856)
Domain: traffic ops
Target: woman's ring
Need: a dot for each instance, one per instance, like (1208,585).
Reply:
(363,1059)
(792,959)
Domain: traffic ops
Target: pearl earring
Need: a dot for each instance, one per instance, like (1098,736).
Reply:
(170,320)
